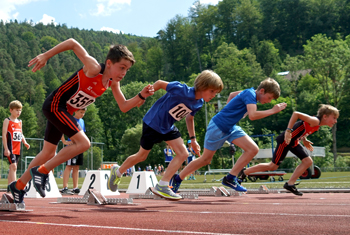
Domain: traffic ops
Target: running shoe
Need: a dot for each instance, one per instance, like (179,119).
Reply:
(39,180)
(233,184)
(174,184)
(165,192)
(292,189)
(76,190)
(18,195)
(66,191)
(241,176)
(114,180)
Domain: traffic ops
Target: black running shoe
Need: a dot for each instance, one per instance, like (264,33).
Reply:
(8,189)
(39,180)
(17,194)
(76,190)
(292,189)
(66,191)
(241,176)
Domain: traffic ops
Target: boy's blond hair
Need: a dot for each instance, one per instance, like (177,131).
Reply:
(15,105)
(118,52)
(326,109)
(208,79)
(270,86)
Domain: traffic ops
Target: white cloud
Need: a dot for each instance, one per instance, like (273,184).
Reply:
(117,31)
(8,8)
(47,20)
(211,2)
(107,7)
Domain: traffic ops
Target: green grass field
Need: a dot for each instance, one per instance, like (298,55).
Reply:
(327,180)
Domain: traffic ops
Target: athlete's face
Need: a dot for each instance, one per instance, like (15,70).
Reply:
(264,98)
(330,120)
(79,114)
(15,113)
(118,70)
(209,94)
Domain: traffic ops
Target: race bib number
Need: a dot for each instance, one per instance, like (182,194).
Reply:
(17,136)
(179,112)
(81,100)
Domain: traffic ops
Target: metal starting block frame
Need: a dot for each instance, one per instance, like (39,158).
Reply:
(149,195)
(262,190)
(94,197)
(7,204)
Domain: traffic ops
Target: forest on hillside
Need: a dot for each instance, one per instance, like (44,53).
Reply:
(244,41)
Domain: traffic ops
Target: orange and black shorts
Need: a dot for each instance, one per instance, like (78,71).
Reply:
(282,149)
(59,122)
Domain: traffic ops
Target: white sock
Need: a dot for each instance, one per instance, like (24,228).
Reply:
(118,173)
(163,183)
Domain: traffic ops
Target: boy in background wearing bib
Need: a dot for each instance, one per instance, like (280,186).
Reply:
(12,137)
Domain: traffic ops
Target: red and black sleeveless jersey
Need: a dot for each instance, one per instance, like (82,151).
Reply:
(14,136)
(300,129)
(78,91)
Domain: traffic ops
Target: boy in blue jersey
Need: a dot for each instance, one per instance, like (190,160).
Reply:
(223,127)
(158,125)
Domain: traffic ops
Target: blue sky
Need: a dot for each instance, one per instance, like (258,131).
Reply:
(137,17)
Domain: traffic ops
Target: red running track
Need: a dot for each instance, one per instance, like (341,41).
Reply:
(313,213)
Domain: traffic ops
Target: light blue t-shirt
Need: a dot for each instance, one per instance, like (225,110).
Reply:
(81,123)
(234,110)
(173,106)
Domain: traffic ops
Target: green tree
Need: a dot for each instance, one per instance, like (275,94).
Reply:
(329,61)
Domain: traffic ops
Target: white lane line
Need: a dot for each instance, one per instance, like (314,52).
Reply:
(116,228)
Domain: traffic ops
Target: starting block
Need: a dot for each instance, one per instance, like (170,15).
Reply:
(7,204)
(94,197)
(141,181)
(262,190)
(97,179)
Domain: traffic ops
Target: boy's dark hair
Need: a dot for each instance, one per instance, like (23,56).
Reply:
(118,52)
(270,86)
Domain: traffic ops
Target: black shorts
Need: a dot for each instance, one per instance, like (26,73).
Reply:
(13,158)
(282,149)
(151,136)
(76,161)
(59,122)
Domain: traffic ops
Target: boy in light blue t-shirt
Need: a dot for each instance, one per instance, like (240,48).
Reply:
(223,127)
(158,125)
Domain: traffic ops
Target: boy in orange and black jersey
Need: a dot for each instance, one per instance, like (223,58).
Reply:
(12,137)
(327,115)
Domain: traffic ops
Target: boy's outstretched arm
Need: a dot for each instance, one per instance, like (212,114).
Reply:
(191,132)
(124,104)
(313,121)
(91,66)
(4,137)
(254,114)
(160,84)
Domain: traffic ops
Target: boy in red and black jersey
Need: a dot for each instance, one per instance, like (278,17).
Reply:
(288,140)
(79,91)
(12,137)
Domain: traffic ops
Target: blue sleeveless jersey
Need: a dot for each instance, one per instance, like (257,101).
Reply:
(177,103)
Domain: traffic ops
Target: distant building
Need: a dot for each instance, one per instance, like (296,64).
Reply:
(298,74)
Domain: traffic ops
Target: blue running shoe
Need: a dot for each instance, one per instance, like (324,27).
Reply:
(39,180)
(233,184)
(175,185)
(17,194)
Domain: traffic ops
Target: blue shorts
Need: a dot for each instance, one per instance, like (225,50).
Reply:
(215,138)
